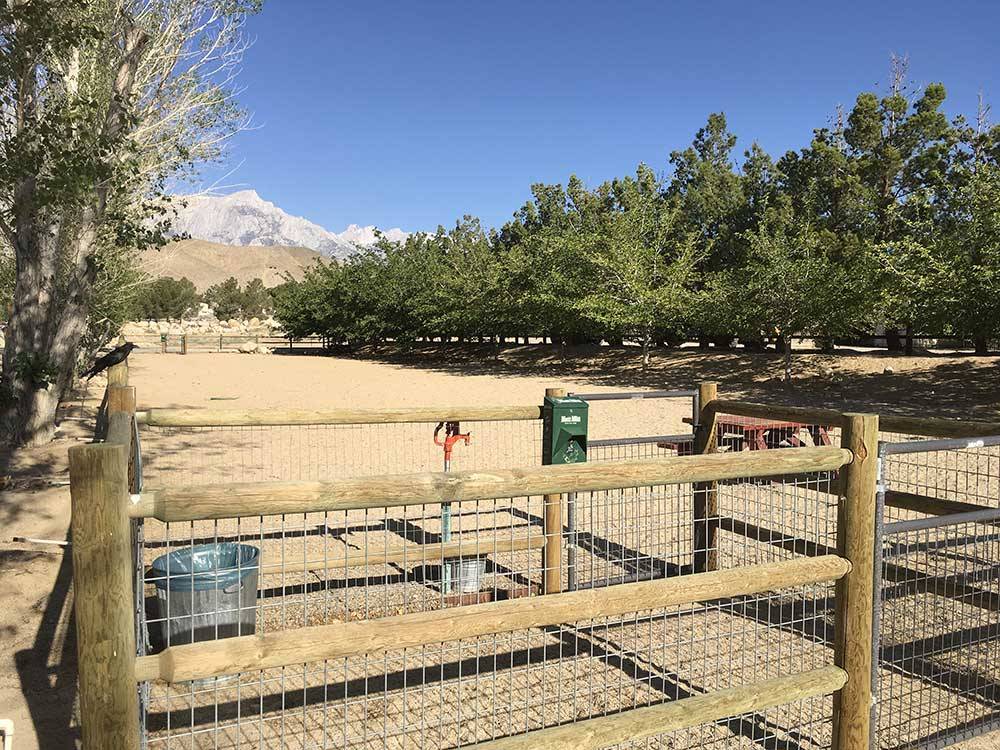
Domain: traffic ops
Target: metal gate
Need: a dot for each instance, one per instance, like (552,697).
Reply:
(936,627)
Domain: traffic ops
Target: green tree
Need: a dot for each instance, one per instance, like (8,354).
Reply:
(256,300)
(789,286)
(225,299)
(166,298)
(104,101)
(900,147)
(644,262)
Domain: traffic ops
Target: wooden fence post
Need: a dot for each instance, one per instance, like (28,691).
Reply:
(852,705)
(121,398)
(706,497)
(552,530)
(102,582)
(184,343)
(118,374)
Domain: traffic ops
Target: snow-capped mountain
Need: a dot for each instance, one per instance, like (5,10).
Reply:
(244,218)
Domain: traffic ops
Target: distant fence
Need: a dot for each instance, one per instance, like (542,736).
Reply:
(183,343)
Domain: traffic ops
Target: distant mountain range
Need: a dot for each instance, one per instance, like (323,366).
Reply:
(207,263)
(244,219)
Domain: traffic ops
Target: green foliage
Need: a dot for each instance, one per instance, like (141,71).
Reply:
(642,263)
(256,299)
(166,298)
(890,217)
(230,300)
(34,370)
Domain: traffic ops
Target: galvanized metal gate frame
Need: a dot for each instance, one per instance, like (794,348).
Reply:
(884,530)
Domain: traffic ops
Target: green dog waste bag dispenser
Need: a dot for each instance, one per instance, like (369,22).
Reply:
(564,437)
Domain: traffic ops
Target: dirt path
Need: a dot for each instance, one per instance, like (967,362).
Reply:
(37,652)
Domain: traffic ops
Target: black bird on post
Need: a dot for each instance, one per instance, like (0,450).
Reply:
(114,357)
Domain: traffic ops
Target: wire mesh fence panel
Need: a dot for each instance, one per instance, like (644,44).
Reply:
(966,472)
(634,534)
(339,566)
(639,448)
(636,425)
(199,455)
(456,693)
(739,433)
(323,568)
(938,619)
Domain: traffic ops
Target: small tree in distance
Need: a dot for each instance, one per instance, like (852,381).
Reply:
(230,300)
(166,298)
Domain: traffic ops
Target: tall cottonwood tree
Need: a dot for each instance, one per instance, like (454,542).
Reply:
(102,103)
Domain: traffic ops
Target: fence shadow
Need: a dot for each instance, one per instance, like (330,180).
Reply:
(48,670)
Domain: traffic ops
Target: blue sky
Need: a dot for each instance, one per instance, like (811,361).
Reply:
(412,114)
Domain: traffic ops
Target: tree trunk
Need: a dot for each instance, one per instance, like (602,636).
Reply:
(703,341)
(647,340)
(788,362)
(892,340)
(781,344)
(909,341)
(43,335)
(982,345)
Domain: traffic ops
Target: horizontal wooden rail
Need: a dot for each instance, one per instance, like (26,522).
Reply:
(642,723)
(311,644)
(279,417)
(213,501)
(805,414)
(937,427)
(417,555)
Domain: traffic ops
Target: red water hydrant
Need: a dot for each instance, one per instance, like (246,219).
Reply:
(453,435)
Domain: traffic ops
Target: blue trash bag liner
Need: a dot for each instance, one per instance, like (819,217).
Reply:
(205,566)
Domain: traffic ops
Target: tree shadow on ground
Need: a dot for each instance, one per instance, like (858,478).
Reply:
(958,386)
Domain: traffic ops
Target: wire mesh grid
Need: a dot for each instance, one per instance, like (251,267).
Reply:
(639,448)
(938,621)
(966,472)
(206,455)
(328,568)
(636,425)
(739,433)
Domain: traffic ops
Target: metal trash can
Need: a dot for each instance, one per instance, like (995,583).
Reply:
(466,575)
(207,592)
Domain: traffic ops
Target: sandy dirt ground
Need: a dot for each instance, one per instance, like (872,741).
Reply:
(37,651)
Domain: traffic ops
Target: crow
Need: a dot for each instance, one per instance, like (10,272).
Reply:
(115,356)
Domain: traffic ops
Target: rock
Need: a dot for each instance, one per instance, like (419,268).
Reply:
(247,348)
(254,322)
(889,371)
(233,323)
